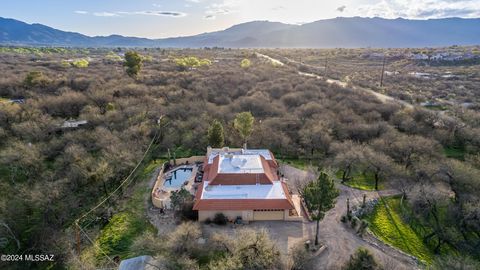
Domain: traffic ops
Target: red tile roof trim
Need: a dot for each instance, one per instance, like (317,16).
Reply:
(242,204)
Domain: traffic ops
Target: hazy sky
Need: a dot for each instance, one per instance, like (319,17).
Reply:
(167,18)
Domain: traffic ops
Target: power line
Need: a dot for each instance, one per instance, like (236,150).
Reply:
(383,69)
(79,229)
(123,182)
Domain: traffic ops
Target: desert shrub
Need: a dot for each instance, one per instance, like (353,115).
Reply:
(247,249)
(454,263)
(191,62)
(220,219)
(183,240)
(35,79)
(80,63)
(300,257)
(182,262)
(363,227)
(245,63)
(354,222)
(362,260)
(147,244)
(133,63)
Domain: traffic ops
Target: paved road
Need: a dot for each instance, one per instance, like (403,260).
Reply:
(340,240)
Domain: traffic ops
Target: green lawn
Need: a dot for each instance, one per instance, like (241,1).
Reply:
(301,164)
(437,107)
(387,224)
(454,152)
(362,181)
(117,237)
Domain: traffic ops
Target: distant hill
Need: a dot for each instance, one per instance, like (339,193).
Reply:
(339,32)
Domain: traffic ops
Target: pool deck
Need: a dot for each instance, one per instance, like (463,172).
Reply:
(161,194)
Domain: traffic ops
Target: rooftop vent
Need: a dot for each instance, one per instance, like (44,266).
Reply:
(238,162)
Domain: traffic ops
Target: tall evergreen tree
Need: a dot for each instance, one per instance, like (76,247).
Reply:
(215,134)
(243,123)
(319,196)
(133,62)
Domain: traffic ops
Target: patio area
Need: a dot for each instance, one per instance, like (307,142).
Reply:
(182,176)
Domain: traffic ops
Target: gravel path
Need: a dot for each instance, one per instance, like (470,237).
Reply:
(340,240)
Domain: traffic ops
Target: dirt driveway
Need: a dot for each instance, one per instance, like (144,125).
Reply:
(341,241)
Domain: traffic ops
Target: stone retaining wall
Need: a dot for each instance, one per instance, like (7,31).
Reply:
(156,201)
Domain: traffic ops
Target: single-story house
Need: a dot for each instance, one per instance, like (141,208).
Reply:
(243,183)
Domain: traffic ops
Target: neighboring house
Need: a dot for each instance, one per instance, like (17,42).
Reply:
(419,56)
(74,123)
(243,183)
(13,100)
(140,263)
(429,104)
(18,100)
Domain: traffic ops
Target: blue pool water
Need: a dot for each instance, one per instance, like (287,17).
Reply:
(178,177)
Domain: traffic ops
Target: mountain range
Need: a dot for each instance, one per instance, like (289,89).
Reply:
(353,32)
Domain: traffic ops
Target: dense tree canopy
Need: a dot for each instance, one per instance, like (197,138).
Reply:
(51,174)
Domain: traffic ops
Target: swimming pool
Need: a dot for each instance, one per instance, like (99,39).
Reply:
(177,177)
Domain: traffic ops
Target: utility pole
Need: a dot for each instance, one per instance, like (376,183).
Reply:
(77,237)
(326,65)
(348,209)
(383,70)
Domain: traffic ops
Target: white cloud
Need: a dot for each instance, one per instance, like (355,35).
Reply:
(81,12)
(141,13)
(105,14)
(153,13)
(422,9)
(310,10)
(210,17)
(222,8)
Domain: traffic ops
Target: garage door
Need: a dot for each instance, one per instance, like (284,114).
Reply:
(267,215)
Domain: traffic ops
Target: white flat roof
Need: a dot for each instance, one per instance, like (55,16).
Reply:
(240,164)
(215,152)
(273,191)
